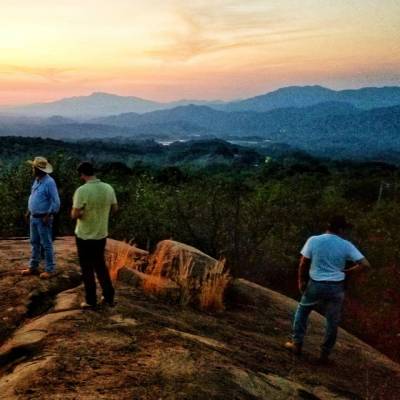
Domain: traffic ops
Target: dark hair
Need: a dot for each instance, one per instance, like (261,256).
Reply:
(337,223)
(85,168)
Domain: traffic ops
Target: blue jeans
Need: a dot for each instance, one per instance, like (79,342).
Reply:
(41,236)
(330,296)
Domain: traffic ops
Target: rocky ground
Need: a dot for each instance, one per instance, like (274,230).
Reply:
(145,348)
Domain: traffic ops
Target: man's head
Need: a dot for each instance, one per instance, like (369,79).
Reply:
(338,224)
(40,167)
(85,170)
(37,173)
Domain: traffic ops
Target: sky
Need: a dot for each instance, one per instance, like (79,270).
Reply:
(174,49)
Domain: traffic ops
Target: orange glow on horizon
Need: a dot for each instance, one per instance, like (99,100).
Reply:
(168,50)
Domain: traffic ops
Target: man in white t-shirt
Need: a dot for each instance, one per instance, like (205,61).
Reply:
(322,264)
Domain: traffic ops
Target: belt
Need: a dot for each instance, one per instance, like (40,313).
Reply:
(40,215)
(328,282)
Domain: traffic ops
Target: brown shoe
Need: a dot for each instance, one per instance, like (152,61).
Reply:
(29,271)
(293,347)
(47,275)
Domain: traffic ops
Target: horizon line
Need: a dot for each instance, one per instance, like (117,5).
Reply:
(99,92)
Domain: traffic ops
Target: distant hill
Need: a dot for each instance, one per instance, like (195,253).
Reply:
(196,153)
(197,115)
(334,128)
(222,122)
(303,96)
(289,123)
(99,104)
(330,129)
(63,130)
(95,105)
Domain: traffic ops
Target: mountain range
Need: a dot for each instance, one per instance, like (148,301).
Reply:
(97,104)
(362,123)
(303,96)
(103,104)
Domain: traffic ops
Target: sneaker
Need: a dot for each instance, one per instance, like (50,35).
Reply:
(86,306)
(47,275)
(294,347)
(30,271)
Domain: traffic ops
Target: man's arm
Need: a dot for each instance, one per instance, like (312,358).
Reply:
(76,213)
(303,273)
(54,198)
(54,201)
(113,201)
(78,205)
(358,267)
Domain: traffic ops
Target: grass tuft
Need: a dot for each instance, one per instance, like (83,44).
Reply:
(117,256)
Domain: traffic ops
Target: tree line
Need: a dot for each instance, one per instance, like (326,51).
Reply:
(257,217)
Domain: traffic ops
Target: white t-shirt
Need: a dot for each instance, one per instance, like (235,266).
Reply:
(328,254)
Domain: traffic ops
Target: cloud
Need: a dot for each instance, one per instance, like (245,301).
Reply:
(203,29)
(186,48)
(51,74)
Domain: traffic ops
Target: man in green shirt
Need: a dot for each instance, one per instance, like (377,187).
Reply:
(92,204)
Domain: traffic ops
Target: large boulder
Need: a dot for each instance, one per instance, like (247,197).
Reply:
(121,254)
(201,278)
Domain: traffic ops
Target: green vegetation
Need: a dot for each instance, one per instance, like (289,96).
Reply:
(255,214)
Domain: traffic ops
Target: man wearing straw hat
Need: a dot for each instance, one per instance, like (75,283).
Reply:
(43,203)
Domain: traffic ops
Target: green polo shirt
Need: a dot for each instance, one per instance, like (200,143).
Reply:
(95,198)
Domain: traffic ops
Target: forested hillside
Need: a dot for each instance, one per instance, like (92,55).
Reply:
(255,213)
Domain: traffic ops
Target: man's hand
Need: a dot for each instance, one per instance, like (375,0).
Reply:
(46,219)
(302,286)
(77,213)
(358,266)
(26,217)
(303,273)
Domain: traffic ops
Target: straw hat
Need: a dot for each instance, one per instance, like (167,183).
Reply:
(42,164)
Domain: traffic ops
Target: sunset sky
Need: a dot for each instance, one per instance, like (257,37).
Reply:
(198,49)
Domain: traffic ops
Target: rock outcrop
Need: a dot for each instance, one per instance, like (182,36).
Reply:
(145,348)
(120,254)
(202,279)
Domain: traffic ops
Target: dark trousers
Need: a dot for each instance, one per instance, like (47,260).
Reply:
(91,258)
